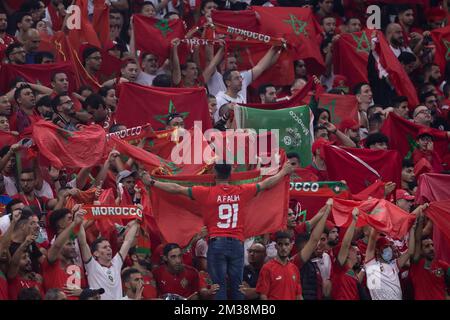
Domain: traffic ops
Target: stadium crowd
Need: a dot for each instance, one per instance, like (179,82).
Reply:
(66,87)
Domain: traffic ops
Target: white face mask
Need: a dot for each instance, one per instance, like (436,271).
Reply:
(387,254)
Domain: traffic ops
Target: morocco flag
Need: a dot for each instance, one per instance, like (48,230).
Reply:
(294,127)
(242,19)
(36,73)
(354,47)
(439,213)
(388,65)
(298,27)
(155,35)
(70,149)
(248,53)
(340,106)
(313,195)
(381,214)
(179,218)
(7,139)
(441,39)
(402,135)
(140,105)
(362,167)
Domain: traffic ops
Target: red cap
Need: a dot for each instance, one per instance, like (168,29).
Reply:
(435,14)
(349,124)
(339,81)
(319,143)
(424,132)
(382,243)
(403,194)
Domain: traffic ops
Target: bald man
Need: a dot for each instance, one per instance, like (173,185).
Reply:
(31,43)
(394,35)
(256,259)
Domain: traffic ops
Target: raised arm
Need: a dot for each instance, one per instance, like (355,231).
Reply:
(311,245)
(5,239)
(64,236)
(84,247)
(212,65)
(268,60)
(176,69)
(418,236)
(166,186)
(129,238)
(272,181)
(13,269)
(404,258)
(370,251)
(11,153)
(346,242)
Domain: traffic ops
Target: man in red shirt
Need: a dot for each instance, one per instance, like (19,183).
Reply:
(5,39)
(318,166)
(141,262)
(60,269)
(279,279)
(222,216)
(175,277)
(344,280)
(430,277)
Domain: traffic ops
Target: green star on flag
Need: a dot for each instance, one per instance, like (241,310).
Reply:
(297,25)
(447,46)
(363,44)
(163,26)
(163,117)
(331,107)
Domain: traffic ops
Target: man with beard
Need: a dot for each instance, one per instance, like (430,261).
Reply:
(394,36)
(430,277)
(96,107)
(44,108)
(408,177)
(279,279)
(133,282)
(174,276)
(60,269)
(60,83)
(267,93)
(311,279)
(400,105)
(92,60)
(64,112)
(128,193)
(256,258)
(349,130)
(149,69)
(141,262)
(25,255)
(422,116)
(26,99)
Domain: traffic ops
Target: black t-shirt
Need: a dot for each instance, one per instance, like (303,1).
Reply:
(250,276)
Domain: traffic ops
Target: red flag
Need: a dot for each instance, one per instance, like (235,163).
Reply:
(340,106)
(402,135)
(36,73)
(7,139)
(439,213)
(313,195)
(70,149)
(354,47)
(398,77)
(100,22)
(248,53)
(243,19)
(178,217)
(375,190)
(86,32)
(381,214)
(298,27)
(441,39)
(110,68)
(362,166)
(154,35)
(436,187)
(139,105)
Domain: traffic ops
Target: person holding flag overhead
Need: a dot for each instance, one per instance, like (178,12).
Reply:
(222,209)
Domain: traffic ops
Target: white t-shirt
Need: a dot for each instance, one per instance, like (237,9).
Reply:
(222,98)
(201,248)
(10,186)
(46,191)
(383,285)
(5,222)
(146,79)
(324,265)
(106,278)
(216,84)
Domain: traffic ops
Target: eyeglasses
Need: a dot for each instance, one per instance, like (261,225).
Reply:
(69,103)
(423,111)
(254,251)
(19,52)
(96,58)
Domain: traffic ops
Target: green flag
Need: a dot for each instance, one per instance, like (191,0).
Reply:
(294,125)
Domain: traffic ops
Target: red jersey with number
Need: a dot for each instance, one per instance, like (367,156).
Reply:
(55,276)
(222,208)
(278,281)
(428,279)
(3,286)
(19,283)
(184,283)
(345,283)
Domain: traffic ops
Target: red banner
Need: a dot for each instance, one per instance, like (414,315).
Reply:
(99,212)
